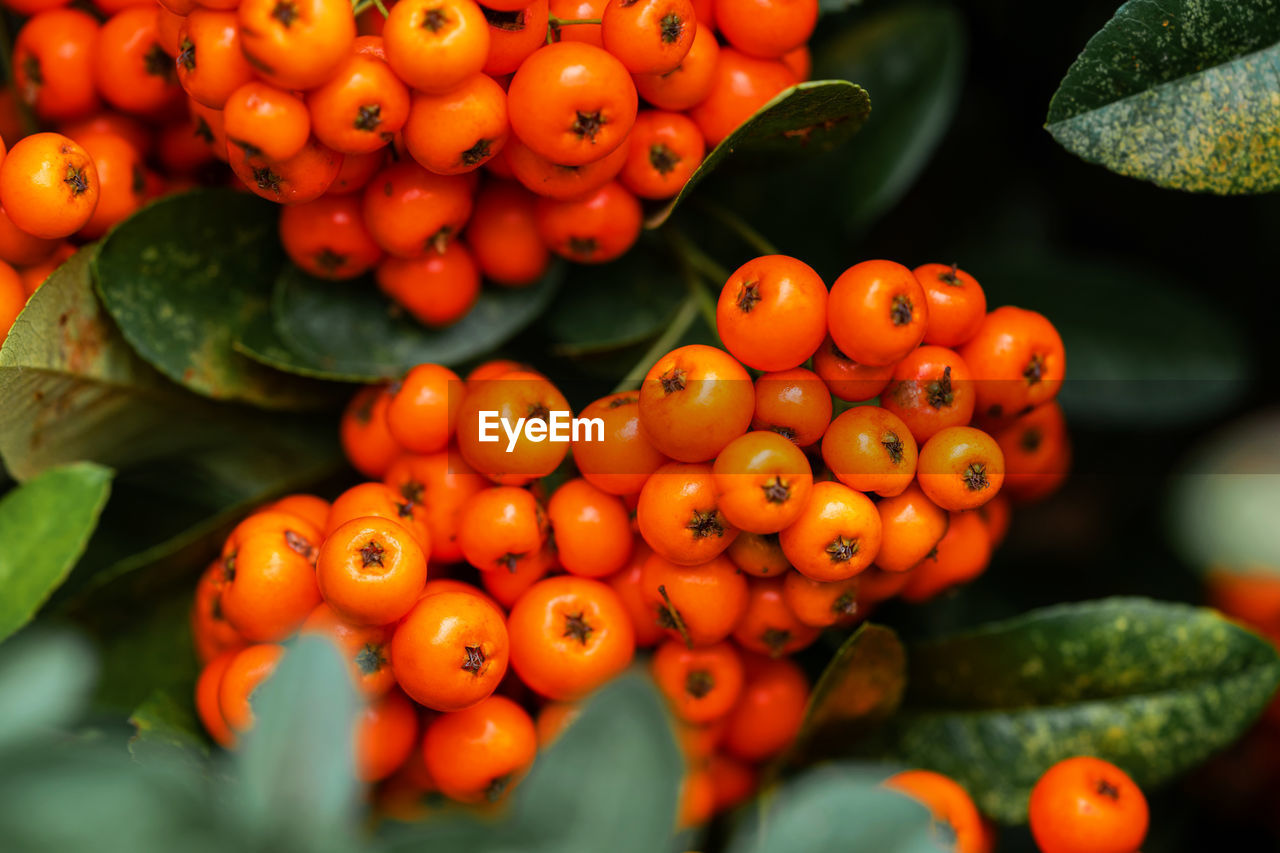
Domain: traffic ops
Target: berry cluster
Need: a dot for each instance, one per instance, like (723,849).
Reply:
(371,124)
(722,520)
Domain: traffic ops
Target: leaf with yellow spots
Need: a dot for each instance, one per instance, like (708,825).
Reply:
(1155,688)
(1182,93)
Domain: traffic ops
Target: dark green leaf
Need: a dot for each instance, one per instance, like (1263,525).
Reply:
(44,527)
(859,689)
(840,807)
(1224,498)
(152,651)
(350,331)
(182,276)
(1155,688)
(813,116)
(1122,369)
(260,341)
(73,389)
(298,785)
(910,59)
(601,309)
(45,679)
(1181,93)
(828,7)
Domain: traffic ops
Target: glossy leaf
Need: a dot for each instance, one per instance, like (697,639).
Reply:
(1155,688)
(182,276)
(840,807)
(1180,93)
(910,58)
(350,331)
(859,689)
(73,389)
(813,116)
(44,527)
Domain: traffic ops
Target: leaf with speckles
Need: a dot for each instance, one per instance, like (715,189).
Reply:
(859,689)
(813,116)
(182,276)
(73,389)
(1182,93)
(1155,688)
(349,330)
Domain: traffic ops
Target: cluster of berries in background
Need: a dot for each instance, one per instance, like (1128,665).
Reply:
(723,515)
(372,125)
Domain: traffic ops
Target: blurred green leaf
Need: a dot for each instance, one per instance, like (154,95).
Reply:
(73,389)
(1223,500)
(1181,93)
(149,650)
(607,308)
(348,330)
(827,7)
(813,116)
(165,726)
(298,789)
(859,689)
(1155,688)
(910,58)
(182,276)
(609,782)
(840,807)
(45,679)
(1123,369)
(44,527)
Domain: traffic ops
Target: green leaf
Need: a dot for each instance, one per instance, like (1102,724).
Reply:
(626,302)
(1223,499)
(828,7)
(45,525)
(298,786)
(153,651)
(608,782)
(859,689)
(165,726)
(73,389)
(259,340)
(1121,370)
(813,116)
(840,807)
(45,679)
(911,59)
(1181,93)
(182,276)
(1154,688)
(351,331)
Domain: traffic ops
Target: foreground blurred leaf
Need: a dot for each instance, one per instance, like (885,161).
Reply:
(1181,93)
(606,308)
(44,681)
(910,58)
(813,116)
(859,689)
(1155,688)
(182,276)
(298,788)
(608,782)
(840,807)
(44,527)
(151,651)
(1224,498)
(1123,370)
(165,725)
(350,331)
